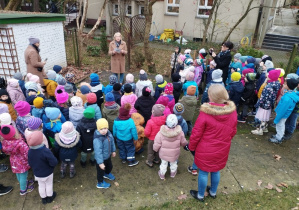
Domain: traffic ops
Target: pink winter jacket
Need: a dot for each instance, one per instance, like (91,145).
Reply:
(15,94)
(168,142)
(131,99)
(28,132)
(18,151)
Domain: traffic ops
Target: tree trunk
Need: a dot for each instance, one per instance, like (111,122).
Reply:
(94,28)
(35,5)
(13,5)
(205,32)
(85,3)
(215,19)
(2,4)
(122,15)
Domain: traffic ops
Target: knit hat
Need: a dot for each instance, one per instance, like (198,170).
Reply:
(124,112)
(274,75)
(142,75)
(191,90)
(3,108)
(7,131)
(102,123)
(182,57)
(130,78)
(188,61)
(243,59)
(187,51)
(89,113)
(237,56)
(91,98)
(282,72)
(159,78)
(68,88)
(146,91)
(12,83)
(112,79)
(158,110)
(168,89)
(52,113)
(51,75)
(5,119)
(57,68)
(128,88)
(237,66)
(292,83)
(269,64)
(250,59)
(32,86)
(30,99)
(236,76)
(62,96)
(61,81)
(48,103)
(23,108)
(171,121)
(178,109)
(33,78)
(217,75)
(33,40)
(70,77)
(175,77)
(18,76)
(3,92)
(292,75)
(109,97)
(34,123)
(190,76)
(117,87)
(213,63)
(94,78)
(84,89)
(35,138)
(257,61)
(251,76)
(38,102)
(68,133)
(203,52)
(266,58)
(76,101)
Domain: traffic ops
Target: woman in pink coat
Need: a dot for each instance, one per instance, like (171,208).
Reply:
(168,141)
(15,91)
(129,97)
(211,137)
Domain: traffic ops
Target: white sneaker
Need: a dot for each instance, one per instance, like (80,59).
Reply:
(257,132)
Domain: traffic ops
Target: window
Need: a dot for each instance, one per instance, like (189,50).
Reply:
(128,10)
(204,8)
(115,9)
(173,6)
(141,11)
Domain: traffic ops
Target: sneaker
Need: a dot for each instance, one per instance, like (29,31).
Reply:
(133,163)
(251,114)
(123,161)
(241,119)
(109,176)
(103,185)
(275,140)
(51,198)
(28,190)
(287,136)
(192,171)
(62,174)
(44,200)
(172,174)
(72,174)
(83,164)
(3,168)
(265,130)
(156,161)
(5,190)
(208,190)
(92,162)
(257,132)
(162,176)
(150,164)
(194,194)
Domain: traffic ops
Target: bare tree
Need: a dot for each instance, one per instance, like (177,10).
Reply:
(205,32)
(13,5)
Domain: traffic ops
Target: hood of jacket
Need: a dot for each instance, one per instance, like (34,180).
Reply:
(122,124)
(131,98)
(74,143)
(88,123)
(96,88)
(190,100)
(145,82)
(250,66)
(170,132)
(160,120)
(102,137)
(76,113)
(10,146)
(48,81)
(111,111)
(138,119)
(177,86)
(162,85)
(238,86)
(294,96)
(220,113)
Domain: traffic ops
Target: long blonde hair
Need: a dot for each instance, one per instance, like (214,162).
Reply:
(218,94)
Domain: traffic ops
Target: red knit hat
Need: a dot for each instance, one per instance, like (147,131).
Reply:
(169,88)
(124,112)
(35,138)
(7,131)
(91,98)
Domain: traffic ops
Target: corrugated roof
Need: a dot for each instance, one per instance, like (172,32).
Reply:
(29,17)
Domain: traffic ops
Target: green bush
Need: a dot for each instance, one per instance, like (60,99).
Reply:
(93,50)
(251,51)
(138,58)
(295,64)
(103,41)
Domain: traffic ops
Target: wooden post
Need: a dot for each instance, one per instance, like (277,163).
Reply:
(293,55)
(74,46)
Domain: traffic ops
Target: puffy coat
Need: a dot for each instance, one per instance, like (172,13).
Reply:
(28,132)
(110,115)
(125,130)
(11,110)
(235,92)
(190,104)
(177,90)
(50,86)
(182,122)
(159,89)
(189,83)
(86,129)
(198,72)
(248,94)
(169,104)
(75,115)
(15,94)
(98,114)
(37,112)
(98,90)
(117,97)
(103,146)
(22,86)
(211,136)
(139,121)
(168,142)
(18,151)
(131,99)
(133,87)
(153,126)
(144,106)
(141,84)
(21,124)
(268,96)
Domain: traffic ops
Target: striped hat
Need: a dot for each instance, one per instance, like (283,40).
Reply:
(34,123)
(178,109)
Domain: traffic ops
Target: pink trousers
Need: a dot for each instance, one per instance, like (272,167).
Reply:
(45,186)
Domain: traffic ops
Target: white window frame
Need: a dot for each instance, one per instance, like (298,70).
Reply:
(172,5)
(139,10)
(127,10)
(203,7)
(113,9)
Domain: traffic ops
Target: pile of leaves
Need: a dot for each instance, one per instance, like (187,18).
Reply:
(81,73)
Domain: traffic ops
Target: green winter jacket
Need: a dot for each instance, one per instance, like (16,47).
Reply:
(189,103)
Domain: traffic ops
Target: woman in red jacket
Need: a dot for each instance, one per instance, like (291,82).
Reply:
(211,138)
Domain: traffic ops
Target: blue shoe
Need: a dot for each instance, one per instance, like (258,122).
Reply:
(275,140)
(103,185)
(109,176)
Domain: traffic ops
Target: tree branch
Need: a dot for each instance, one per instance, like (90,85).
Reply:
(96,25)
(204,37)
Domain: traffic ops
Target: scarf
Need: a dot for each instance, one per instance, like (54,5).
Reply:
(223,53)
(7,101)
(37,146)
(36,48)
(113,106)
(54,121)
(118,43)
(68,138)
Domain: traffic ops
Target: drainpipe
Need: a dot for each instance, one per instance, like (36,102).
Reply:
(258,22)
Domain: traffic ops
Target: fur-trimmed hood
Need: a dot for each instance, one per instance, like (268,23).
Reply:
(170,132)
(218,110)
(60,143)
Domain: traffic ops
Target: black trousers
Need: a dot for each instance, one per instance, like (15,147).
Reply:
(108,169)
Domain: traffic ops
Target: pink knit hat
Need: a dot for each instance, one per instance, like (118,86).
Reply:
(12,83)
(169,88)
(34,123)
(68,133)
(7,131)
(33,78)
(62,96)
(274,75)
(23,108)
(91,98)
(190,76)
(35,138)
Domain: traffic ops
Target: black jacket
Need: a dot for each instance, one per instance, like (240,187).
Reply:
(235,92)
(117,97)
(223,62)
(177,90)
(144,106)
(248,94)
(86,129)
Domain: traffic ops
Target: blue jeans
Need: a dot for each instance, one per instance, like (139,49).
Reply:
(203,182)
(22,178)
(290,125)
(126,149)
(194,166)
(121,77)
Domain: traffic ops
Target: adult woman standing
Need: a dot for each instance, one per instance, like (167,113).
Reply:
(33,60)
(211,137)
(118,50)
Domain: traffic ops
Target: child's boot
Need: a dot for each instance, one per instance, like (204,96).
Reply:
(173,173)
(92,162)
(103,185)
(62,174)
(51,198)
(83,164)
(133,163)
(162,176)
(259,130)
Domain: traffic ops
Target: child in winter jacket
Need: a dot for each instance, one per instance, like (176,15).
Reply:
(236,88)
(129,97)
(169,104)
(116,93)
(139,121)
(61,102)
(57,69)
(209,73)
(86,129)
(185,72)
(178,110)
(145,103)
(52,124)
(15,146)
(104,148)
(38,107)
(42,161)
(23,110)
(50,84)
(35,79)
(70,79)
(174,59)
(177,86)
(5,99)
(216,79)
(85,88)
(244,72)
(129,80)
(18,76)
(97,87)
(160,85)
(142,82)
(167,142)
(92,102)
(112,81)
(66,143)
(151,129)
(249,64)
(180,64)
(61,82)
(14,91)
(284,109)
(110,110)
(189,102)
(76,110)
(35,124)
(189,82)
(124,130)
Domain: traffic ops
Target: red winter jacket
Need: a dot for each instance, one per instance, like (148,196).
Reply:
(211,136)
(153,126)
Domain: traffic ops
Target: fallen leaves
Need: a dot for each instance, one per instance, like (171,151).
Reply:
(182,197)
(269,186)
(259,182)
(282,184)
(224,192)
(278,189)
(116,184)
(57,207)
(277,157)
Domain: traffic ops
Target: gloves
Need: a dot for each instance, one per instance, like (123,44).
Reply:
(186,147)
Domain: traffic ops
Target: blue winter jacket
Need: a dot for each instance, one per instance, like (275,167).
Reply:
(103,146)
(260,81)
(189,83)
(22,86)
(133,87)
(205,97)
(36,112)
(159,89)
(98,113)
(125,130)
(182,122)
(235,92)
(286,106)
(248,66)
